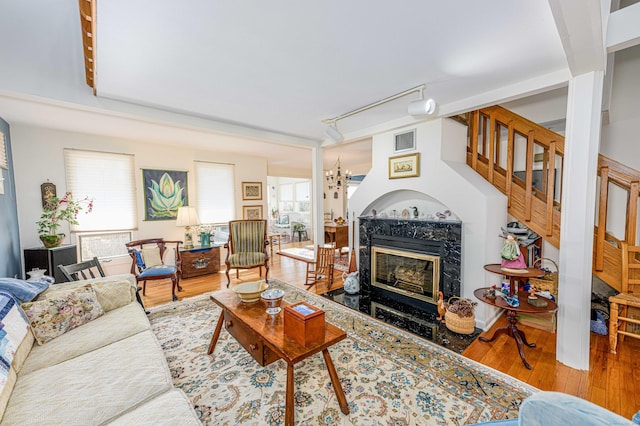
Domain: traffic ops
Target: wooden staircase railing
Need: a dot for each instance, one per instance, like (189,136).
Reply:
(525,161)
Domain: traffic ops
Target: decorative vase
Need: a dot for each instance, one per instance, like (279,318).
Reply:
(351,283)
(51,241)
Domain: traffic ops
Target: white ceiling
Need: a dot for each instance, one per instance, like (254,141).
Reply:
(271,71)
(286,65)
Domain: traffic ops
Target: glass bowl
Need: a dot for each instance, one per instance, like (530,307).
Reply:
(273,298)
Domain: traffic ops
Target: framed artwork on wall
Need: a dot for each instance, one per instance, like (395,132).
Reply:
(404,166)
(47,191)
(252,190)
(252,212)
(164,192)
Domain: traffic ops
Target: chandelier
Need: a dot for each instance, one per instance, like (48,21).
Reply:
(337,179)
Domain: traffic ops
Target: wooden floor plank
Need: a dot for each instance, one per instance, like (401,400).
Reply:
(610,377)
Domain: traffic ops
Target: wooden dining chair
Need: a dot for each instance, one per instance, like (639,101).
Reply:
(324,266)
(620,320)
(87,270)
(82,271)
(148,262)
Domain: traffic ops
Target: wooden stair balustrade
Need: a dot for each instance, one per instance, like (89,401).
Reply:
(525,161)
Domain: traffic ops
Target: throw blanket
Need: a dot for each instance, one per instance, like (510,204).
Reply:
(22,290)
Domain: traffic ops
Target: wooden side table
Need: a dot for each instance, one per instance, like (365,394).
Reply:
(200,261)
(514,275)
(273,239)
(512,329)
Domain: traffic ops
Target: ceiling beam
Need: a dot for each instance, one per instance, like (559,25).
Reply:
(580,26)
(623,30)
(88,29)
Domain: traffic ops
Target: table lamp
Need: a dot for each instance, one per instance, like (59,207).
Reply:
(187,217)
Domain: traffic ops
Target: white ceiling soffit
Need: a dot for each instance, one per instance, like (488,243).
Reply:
(285,65)
(623,29)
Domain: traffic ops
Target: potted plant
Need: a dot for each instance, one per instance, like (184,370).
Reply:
(57,210)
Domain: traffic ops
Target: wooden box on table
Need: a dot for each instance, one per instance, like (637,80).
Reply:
(304,323)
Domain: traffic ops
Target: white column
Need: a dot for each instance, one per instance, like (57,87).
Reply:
(582,142)
(317,164)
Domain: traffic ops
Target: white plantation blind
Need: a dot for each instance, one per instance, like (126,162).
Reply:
(109,179)
(215,190)
(4,163)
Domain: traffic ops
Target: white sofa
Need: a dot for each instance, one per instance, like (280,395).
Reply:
(110,370)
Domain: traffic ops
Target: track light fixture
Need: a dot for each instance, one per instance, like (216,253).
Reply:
(422,106)
(333,132)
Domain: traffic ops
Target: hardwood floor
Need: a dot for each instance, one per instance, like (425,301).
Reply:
(613,381)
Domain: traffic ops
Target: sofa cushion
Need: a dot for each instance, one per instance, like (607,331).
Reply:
(14,330)
(170,408)
(111,327)
(92,388)
(55,316)
(111,293)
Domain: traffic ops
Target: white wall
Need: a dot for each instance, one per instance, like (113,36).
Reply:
(38,156)
(445,177)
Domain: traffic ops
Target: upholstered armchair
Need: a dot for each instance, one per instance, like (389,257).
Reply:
(148,262)
(247,247)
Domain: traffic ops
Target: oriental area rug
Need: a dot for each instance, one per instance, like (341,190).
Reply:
(389,376)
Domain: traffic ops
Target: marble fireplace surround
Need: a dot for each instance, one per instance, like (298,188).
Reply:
(447,234)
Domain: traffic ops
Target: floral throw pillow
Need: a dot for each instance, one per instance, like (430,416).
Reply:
(55,316)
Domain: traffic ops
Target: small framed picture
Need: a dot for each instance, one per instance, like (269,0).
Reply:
(404,166)
(47,192)
(252,190)
(252,212)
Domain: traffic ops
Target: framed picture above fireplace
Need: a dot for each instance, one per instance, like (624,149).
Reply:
(404,166)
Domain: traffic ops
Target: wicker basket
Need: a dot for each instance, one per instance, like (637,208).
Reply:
(458,324)
(549,281)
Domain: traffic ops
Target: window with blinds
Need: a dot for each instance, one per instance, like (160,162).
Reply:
(4,162)
(108,179)
(215,191)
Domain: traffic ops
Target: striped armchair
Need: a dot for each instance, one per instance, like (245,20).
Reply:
(247,247)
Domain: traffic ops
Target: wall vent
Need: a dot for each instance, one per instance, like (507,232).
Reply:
(405,141)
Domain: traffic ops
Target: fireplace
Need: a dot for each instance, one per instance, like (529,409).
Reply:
(410,261)
(406,272)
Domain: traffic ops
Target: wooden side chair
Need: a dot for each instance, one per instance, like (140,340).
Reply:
(324,266)
(148,262)
(87,270)
(629,296)
(82,271)
(247,247)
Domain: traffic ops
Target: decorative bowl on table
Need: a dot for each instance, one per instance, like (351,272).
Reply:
(250,292)
(273,298)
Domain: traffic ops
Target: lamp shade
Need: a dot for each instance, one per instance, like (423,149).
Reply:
(422,107)
(187,216)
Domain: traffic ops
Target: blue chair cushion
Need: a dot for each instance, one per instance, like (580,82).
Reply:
(139,260)
(154,271)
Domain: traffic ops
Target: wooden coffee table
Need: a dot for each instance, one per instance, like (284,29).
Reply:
(262,335)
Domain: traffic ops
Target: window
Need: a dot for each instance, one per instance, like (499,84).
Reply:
(286,197)
(215,191)
(302,198)
(4,163)
(107,178)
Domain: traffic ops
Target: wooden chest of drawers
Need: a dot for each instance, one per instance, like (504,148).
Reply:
(200,261)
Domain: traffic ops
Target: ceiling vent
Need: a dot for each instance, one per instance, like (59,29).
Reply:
(405,141)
